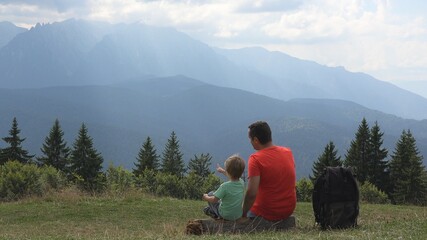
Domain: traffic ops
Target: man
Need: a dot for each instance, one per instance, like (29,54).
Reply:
(271,190)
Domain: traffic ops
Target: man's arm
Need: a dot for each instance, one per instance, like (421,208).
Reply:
(250,196)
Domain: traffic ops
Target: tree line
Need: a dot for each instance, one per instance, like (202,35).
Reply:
(400,176)
(81,164)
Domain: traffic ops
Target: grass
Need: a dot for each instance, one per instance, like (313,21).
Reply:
(70,215)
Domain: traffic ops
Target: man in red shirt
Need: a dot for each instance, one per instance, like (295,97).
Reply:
(271,190)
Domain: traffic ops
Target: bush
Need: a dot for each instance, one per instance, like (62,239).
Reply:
(18,180)
(195,185)
(119,180)
(147,181)
(369,193)
(51,179)
(211,183)
(92,186)
(169,185)
(304,190)
(192,186)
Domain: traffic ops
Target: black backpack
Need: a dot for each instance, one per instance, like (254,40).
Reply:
(336,198)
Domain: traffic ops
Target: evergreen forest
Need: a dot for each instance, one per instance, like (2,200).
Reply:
(395,176)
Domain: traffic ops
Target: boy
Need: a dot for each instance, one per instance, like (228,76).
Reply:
(226,201)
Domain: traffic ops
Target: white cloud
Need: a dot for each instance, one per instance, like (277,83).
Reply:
(362,35)
(59,5)
(268,6)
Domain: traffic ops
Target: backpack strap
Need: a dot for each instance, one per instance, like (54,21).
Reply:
(357,194)
(318,189)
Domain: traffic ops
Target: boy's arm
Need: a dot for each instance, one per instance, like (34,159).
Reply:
(211,199)
(220,169)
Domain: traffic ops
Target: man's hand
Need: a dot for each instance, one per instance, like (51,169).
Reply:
(251,192)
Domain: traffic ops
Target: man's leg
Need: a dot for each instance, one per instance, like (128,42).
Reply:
(251,215)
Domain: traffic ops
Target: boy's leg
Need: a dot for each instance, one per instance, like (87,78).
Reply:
(212,209)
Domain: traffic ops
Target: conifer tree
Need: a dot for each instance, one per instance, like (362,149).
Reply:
(86,162)
(147,158)
(55,150)
(172,157)
(328,158)
(15,150)
(200,165)
(377,174)
(407,173)
(357,156)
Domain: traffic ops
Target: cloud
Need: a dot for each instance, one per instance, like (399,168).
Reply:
(268,6)
(362,35)
(59,5)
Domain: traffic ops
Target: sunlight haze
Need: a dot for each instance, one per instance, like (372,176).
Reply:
(386,39)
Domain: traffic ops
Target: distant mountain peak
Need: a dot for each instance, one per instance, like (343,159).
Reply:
(81,52)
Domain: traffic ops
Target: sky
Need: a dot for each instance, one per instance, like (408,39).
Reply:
(384,38)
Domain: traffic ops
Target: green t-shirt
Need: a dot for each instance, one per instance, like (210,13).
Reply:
(231,195)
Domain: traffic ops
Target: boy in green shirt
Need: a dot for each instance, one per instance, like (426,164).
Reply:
(226,201)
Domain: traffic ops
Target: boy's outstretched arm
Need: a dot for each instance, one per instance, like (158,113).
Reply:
(220,169)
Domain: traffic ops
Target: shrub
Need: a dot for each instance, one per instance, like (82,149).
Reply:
(147,181)
(210,183)
(92,186)
(304,190)
(192,186)
(51,179)
(119,180)
(195,185)
(18,180)
(169,185)
(369,193)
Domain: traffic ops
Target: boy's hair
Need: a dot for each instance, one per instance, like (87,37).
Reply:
(234,166)
(260,130)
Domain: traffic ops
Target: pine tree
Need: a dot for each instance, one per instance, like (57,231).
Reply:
(55,150)
(357,156)
(407,173)
(15,150)
(328,158)
(172,157)
(86,162)
(200,165)
(377,174)
(147,158)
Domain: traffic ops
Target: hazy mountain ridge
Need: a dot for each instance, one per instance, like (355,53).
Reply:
(130,81)
(206,118)
(77,52)
(418,87)
(312,80)
(8,31)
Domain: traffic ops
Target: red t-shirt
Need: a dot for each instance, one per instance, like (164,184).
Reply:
(276,197)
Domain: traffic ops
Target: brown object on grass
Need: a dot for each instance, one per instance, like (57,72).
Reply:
(242,225)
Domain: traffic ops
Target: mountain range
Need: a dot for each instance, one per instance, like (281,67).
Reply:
(130,81)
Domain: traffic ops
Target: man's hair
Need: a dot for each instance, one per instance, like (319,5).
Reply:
(260,130)
(234,166)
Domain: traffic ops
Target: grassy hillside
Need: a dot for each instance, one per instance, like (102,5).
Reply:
(69,215)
